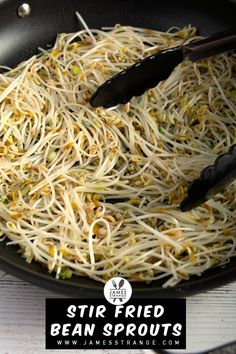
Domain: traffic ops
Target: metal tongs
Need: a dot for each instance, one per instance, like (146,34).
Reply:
(146,74)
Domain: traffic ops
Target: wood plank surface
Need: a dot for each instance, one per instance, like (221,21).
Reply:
(211,319)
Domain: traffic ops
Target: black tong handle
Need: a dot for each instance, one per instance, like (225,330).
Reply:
(147,73)
(216,44)
(137,78)
(213,180)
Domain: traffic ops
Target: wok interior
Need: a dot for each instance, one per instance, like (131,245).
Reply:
(20,39)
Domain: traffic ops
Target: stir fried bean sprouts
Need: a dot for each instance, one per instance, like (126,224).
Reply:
(95,192)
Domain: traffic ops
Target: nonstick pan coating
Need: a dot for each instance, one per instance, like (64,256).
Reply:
(20,38)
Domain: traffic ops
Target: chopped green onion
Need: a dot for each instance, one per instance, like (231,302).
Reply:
(66,273)
(75,70)
(4,200)
(86,123)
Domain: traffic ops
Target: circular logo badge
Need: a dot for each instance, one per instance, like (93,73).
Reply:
(117,291)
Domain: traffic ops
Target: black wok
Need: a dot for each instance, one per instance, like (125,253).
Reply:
(20,38)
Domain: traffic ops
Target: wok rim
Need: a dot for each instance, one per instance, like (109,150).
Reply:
(17,266)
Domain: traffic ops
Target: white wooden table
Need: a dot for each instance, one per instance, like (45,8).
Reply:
(211,319)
